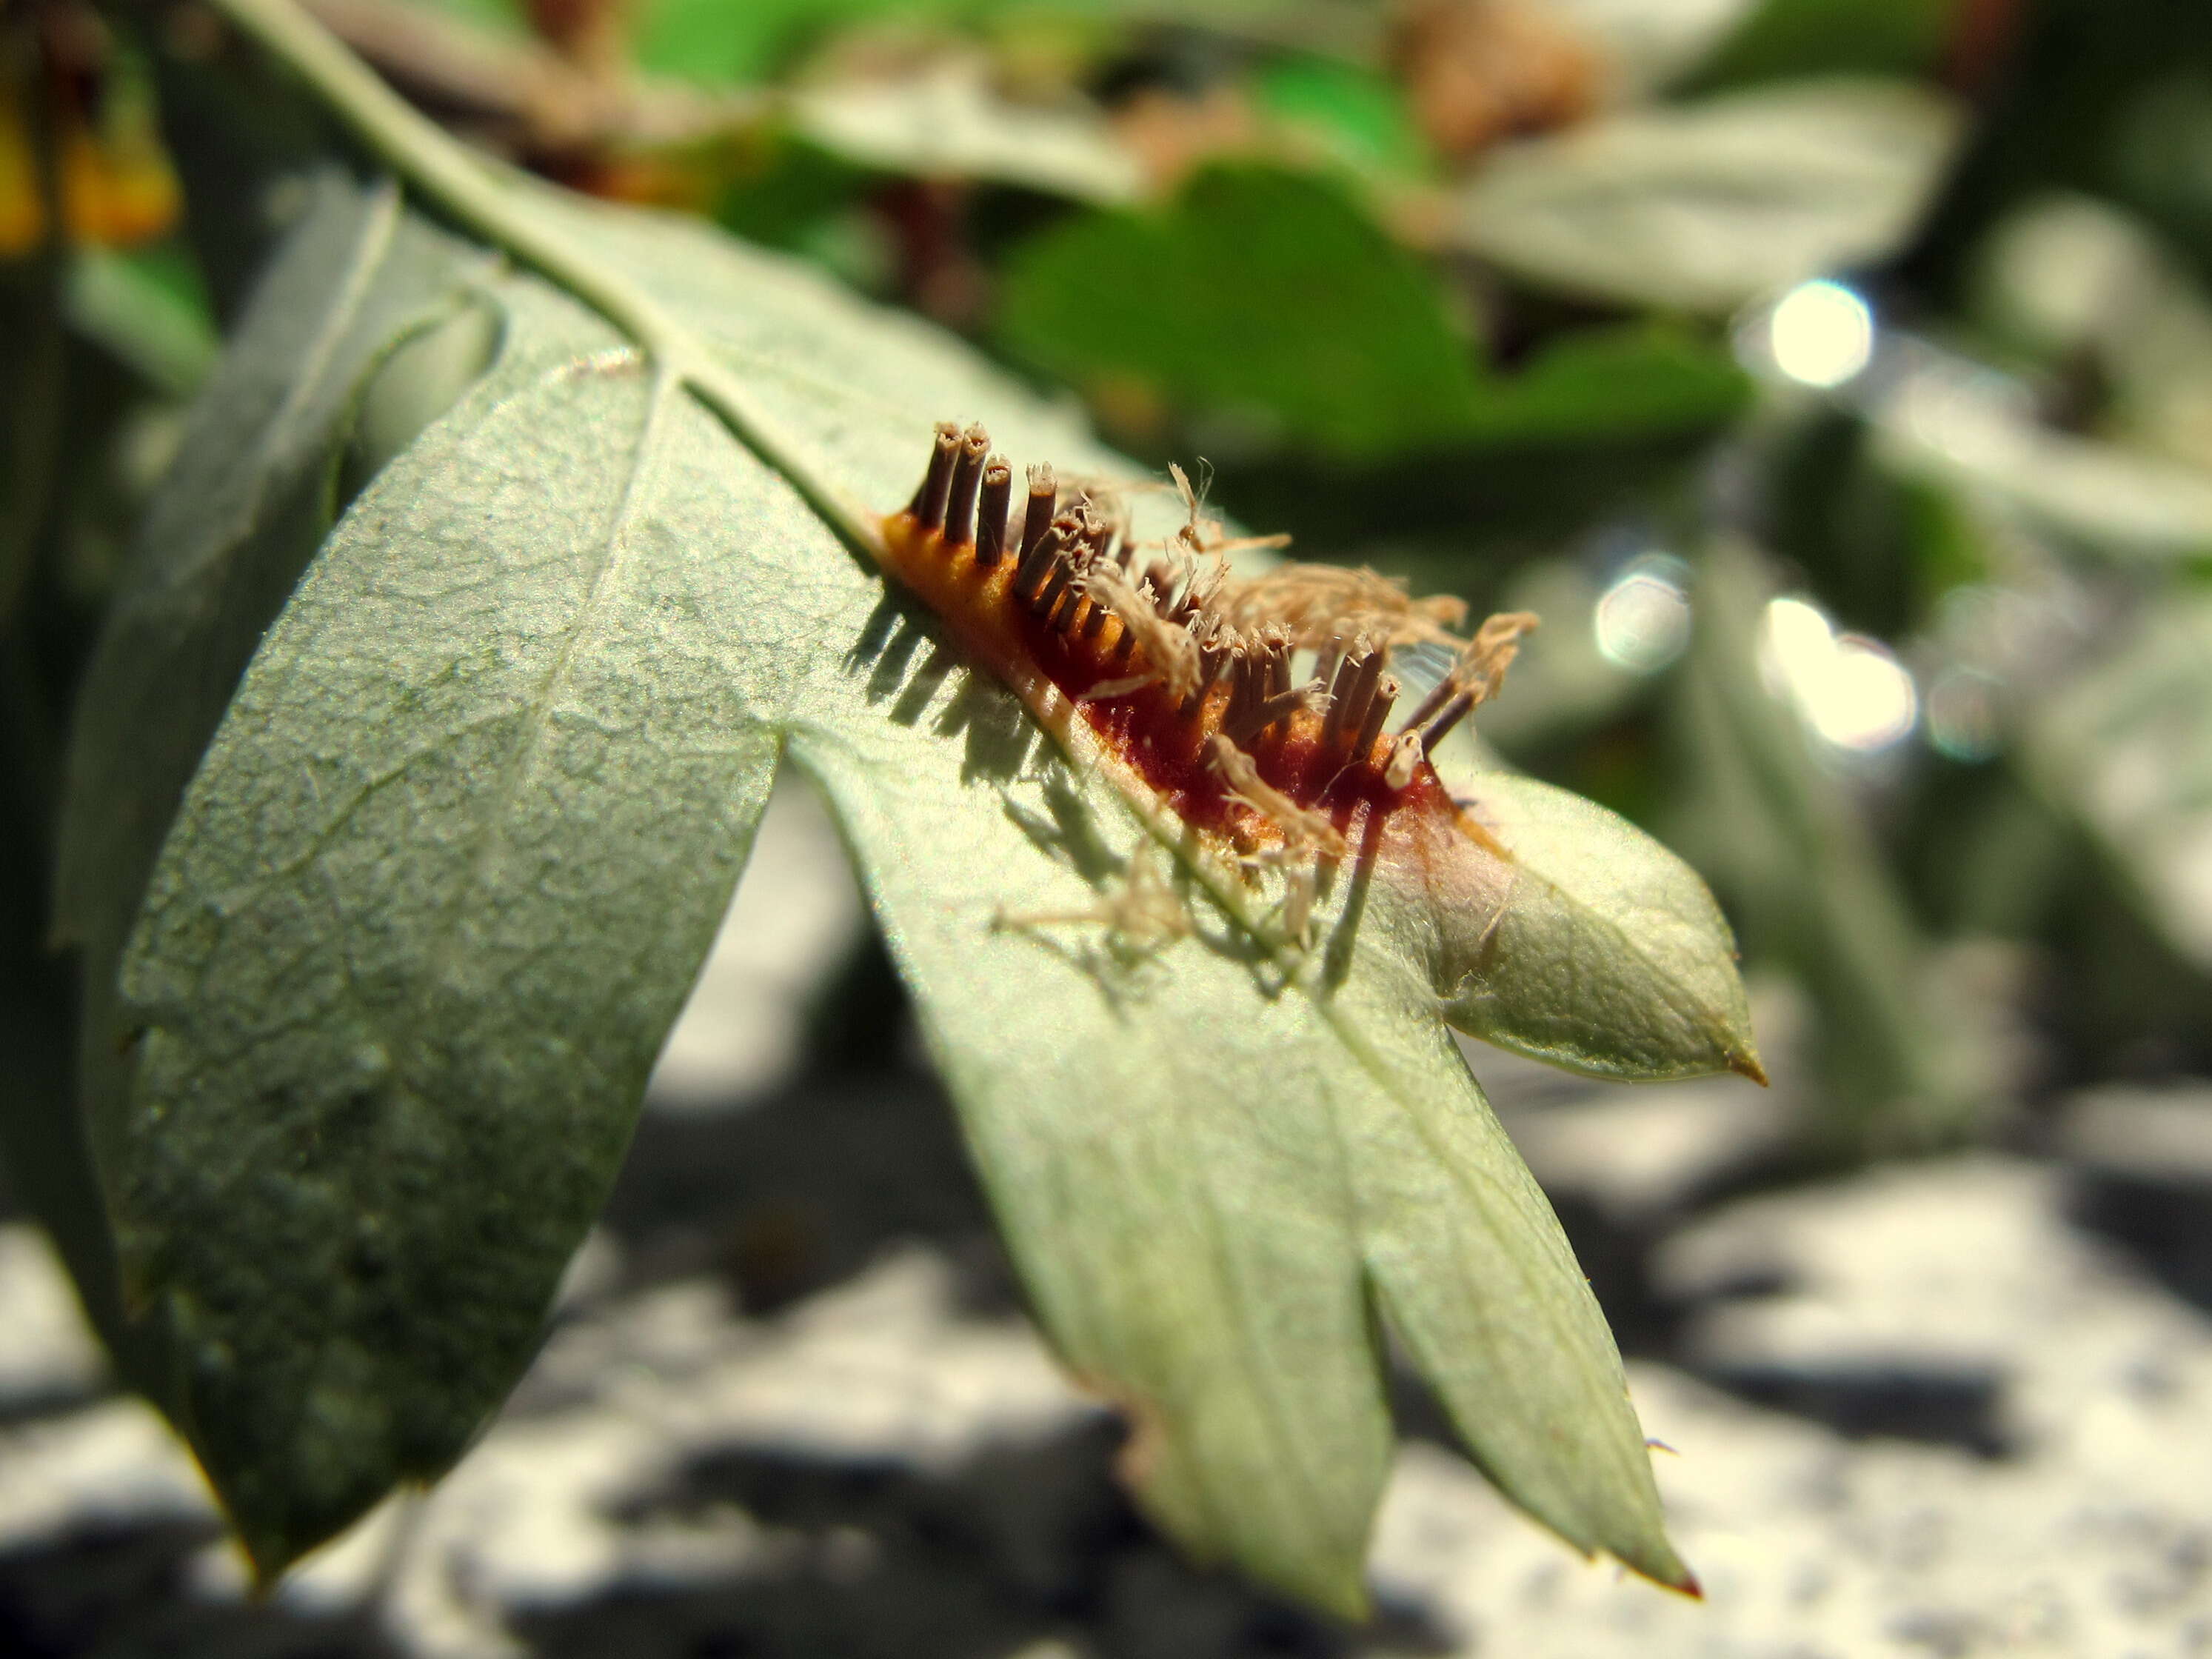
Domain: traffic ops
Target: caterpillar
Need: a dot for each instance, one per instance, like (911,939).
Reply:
(1182,673)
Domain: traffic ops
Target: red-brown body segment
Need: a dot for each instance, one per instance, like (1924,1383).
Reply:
(1148,729)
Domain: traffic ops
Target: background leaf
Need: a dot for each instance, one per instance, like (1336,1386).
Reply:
(1704,207)
(148,310)
(1779,38)
(2128,748)
(948,121)
(1272,309)
(1271,298)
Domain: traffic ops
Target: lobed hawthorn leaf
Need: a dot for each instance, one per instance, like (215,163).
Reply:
(449,864)
(1609,956)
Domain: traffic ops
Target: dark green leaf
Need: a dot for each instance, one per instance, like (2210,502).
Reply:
(1784,38)
(242,510)
(1261,295)
(1613,383)
(1270,299)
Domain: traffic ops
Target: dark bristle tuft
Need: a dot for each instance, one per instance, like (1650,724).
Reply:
(1354,691)
(1441,723)
(1055,588)
(1326,661)
(1210,660)
(1044,554)
(991,522)
(1378,710)
(1043,505)
(1438,697)
(967,477)
(936,483)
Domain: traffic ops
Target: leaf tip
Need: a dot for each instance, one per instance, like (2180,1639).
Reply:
(1744,1061)
(1665,1569)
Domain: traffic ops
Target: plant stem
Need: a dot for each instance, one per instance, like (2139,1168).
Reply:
(471,188)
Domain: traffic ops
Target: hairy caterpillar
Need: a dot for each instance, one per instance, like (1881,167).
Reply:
(1181,671)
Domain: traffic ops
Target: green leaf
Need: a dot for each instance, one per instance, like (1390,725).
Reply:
(148,310)
(1608,954)
(448,869)
(1703,208)
(1781,39)
(239,515)
(1270,299)
(1354,115)
(410,953)
(1204,1175)
(1261,295)
(1636,381)
(713,40)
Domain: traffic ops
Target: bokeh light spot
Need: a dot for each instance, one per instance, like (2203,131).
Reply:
(1642,620)
(1821,334)
(1852,690)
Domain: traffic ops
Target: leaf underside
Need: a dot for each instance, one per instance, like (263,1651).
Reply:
(447,871)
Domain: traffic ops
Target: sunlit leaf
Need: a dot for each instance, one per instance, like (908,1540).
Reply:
(1610,956)
(1762,815)
(1705,207)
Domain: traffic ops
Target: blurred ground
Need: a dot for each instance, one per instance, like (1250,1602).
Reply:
(790,1406)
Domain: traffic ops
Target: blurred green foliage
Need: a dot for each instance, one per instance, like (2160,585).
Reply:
(1260,295)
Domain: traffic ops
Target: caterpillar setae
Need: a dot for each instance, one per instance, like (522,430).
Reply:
(1181,671)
